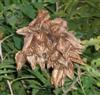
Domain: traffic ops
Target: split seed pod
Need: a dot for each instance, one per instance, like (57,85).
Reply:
(48,43)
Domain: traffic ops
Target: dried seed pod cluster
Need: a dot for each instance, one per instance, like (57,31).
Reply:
(48,43)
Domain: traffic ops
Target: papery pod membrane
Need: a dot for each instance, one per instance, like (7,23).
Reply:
(48,43)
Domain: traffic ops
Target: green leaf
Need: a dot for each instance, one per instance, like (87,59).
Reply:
(6,72)
(6,77)
(50,1)
(38,75)
(38,5)
(28,10)
(17,42)
(34,91)
(12,21)
(18,88)
(92,71)
(96,62)
(1,6)
(3,66)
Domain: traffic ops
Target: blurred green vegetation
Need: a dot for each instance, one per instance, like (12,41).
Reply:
(83,17)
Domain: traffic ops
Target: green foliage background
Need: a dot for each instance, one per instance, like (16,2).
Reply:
(83,17)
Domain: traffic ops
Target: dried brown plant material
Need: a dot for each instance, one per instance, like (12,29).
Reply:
(48,43)
(21,59)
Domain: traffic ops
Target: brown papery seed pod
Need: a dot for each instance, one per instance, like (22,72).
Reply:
(48,43)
